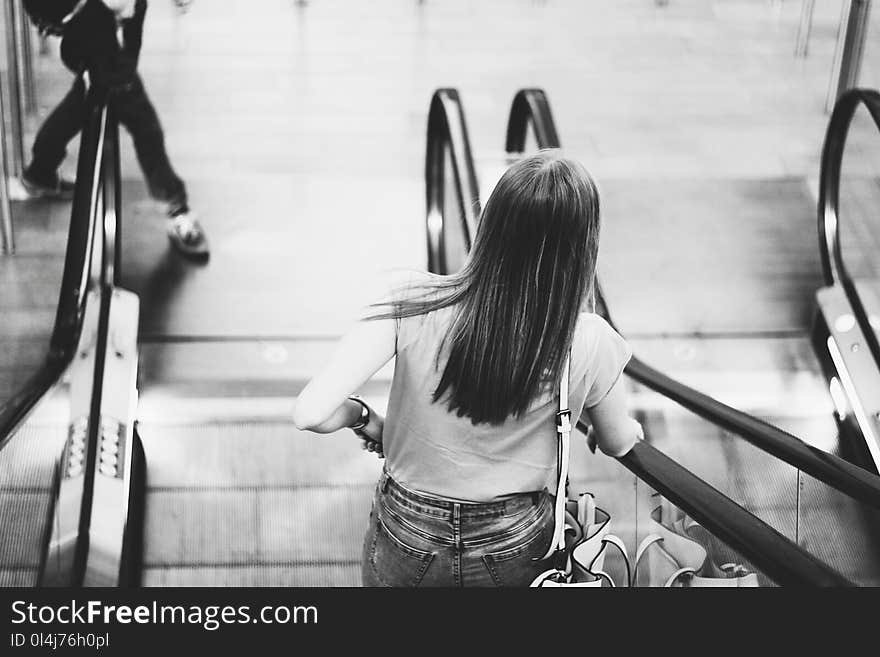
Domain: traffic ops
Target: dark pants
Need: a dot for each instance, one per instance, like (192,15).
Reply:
(133,110)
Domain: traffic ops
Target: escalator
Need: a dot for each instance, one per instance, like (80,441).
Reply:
(150,478)
(67,451)
(236,496)
(116,473)
(846,331)
(816,498)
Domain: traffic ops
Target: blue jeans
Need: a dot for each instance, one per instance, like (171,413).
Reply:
(418,540)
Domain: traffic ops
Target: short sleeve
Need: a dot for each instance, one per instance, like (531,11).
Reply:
(403,284)
(609,354)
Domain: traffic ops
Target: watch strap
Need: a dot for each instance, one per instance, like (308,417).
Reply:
(364,418)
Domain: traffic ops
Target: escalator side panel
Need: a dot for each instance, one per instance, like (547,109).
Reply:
(65,548)
(112,481)
(856,372)
(839,530)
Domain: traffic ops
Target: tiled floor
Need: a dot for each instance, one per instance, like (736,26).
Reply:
(308,99)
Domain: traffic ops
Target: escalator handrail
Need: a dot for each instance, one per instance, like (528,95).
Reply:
(530,107)
(720,515)
(785,562)
(833,269)
(771,552)
(74,281)
(838,473)
(104,206)
(447,129)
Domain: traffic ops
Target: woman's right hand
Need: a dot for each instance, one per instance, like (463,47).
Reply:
(371,435)
(591,440)
(373,446)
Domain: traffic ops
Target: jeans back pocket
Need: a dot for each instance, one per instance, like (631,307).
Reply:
(394,563)
(519,564)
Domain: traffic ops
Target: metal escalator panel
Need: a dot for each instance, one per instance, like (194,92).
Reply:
(853,378)
(114,513)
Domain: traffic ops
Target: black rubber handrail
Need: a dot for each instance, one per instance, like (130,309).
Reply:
(530,107)
(130,557)
(111,177)
(785,562)
(74,281)
(833,268)
(779,558)
(447,130)
(838,473)
(109,190)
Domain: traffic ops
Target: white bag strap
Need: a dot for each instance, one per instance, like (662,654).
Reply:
(681,572)
(616,541)
(586,510)
(647,542)
(563,448)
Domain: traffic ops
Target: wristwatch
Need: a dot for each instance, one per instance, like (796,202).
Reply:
(363,420)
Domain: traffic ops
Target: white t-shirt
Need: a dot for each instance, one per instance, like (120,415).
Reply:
(431,450)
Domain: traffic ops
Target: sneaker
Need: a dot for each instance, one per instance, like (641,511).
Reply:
(61,190)
(188,236)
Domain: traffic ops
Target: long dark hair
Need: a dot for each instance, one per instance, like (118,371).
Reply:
(518,297)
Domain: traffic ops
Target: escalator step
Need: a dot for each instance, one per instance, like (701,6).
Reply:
(235,527)
(26,577)
(27,513)
(252,454)
(29,459)
(27,472)
(312,575)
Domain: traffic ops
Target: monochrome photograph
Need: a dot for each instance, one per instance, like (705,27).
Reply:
(327,294)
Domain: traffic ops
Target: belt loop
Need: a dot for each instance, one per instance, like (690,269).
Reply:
(456,524)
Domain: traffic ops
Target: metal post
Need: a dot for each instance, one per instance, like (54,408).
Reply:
(5,209)
(15,162)
(803,35)
(849,50)
(25,43)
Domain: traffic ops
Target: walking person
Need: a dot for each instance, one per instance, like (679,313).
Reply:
(469,440)
(100,43)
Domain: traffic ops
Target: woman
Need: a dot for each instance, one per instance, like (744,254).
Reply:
(470,437)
